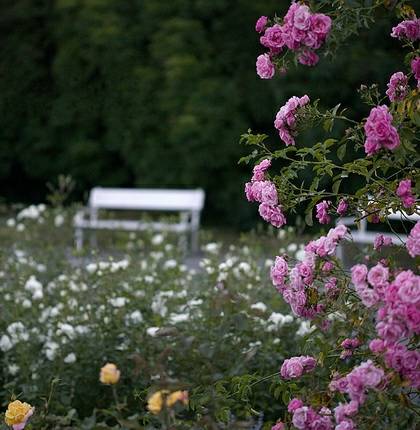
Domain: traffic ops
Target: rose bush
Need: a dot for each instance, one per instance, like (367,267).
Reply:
(364,350)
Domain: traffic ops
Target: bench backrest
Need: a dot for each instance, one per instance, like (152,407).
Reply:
(146,199)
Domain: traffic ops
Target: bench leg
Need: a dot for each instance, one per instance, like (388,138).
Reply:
(194,241)
(79,239)
(93,239)
(183,243)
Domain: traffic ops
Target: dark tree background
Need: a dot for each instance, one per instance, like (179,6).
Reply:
(154,93)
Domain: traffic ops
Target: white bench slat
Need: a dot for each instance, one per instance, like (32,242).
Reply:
(146,199)
(129,225)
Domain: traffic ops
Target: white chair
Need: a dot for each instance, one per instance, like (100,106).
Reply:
(364,236)
(188,203)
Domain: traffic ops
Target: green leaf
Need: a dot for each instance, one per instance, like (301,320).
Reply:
(336,186)
(341,151)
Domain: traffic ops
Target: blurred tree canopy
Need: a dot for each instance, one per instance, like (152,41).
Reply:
(154,93)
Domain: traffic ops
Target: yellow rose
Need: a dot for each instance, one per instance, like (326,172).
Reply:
(109,374)
(18,413)
(177,396)
(155,402)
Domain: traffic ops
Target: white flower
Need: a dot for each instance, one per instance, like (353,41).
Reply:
(195,302)
(259,306)
(34,286)
(277,320)
(81,329)
(211,248)
(159,305)
(41,268)
(17,331)
(300,255)
(244,267)
(26,304)
(177,318)
(170,264)
(13,369)
(38,295)
(5,343)
(157,239)
(10,222)
(136,317)
(31,212)
(20,227)
(119,265)
(268,262)
(70,358)
(152,331)
(281,234)
(118,302)
(292,247)
(149,279)
(91,267)
(51,350)
(305,328)
(66,329)
(59,220)
(103,265)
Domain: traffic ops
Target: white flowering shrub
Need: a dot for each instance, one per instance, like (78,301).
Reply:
(165,325)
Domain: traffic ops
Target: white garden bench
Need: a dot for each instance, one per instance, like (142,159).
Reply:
(364,236)
(188,203)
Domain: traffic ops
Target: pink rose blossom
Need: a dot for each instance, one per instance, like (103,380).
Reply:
(380,133)
(380,241)
(269,193)
(322,212)
(261,24)
(378,276)
(279,271)
(272,214)
(413,241)
(295,367)
(294,404)
(265,68)
(302,18)
(409,29)
(359,274)
(260,169)
(404,192)
(377,346)
(346,424)
(278,426)
(308,58)
(273,38)
(321,24)
(342,207)
(286,118)
(415,67)
(368,296)
(327,266)
(397,87)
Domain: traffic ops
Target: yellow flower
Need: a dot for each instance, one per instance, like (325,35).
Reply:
(109,374)
(155,402)
(18,413)
(177,396)
(164,397)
